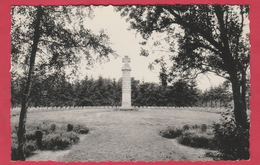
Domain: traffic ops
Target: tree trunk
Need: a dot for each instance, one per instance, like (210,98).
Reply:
(239,108)
(26,93)
(244,88)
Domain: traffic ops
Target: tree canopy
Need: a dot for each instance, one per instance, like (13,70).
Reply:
(63,38)
(47,39)
(213,38)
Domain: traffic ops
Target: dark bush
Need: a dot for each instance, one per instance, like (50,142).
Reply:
(82,129)
(171,132)
(193,136)
(30,146)
(186,127)
(53,127)
(54,142)
(185,140)
(30,135)
(196,141)
(72,136)
(195,126)
(59,141)
(232,142)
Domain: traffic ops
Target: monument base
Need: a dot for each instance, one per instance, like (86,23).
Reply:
(126,109)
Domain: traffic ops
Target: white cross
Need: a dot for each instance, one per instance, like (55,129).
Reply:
(126,60)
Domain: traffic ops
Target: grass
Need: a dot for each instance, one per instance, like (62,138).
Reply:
(55,137)
(123,135)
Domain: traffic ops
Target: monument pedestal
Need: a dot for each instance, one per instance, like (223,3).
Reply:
(127,109)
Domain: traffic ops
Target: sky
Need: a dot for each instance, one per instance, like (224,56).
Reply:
(126,42)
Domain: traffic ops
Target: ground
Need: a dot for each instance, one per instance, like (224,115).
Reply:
(124,135)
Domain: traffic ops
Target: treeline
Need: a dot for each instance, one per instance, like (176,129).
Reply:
(56,90)
(217,96)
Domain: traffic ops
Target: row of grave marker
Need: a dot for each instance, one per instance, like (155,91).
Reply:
(112,107)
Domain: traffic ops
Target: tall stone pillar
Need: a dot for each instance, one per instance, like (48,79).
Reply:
(126,84)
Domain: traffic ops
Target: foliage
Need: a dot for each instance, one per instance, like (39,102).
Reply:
(193,136)
(29,148)
(171,132)
(196,141)
(62,38)
(49,91)
(81,129)
(59,141)
(53,127)
(211,38)
(186,127)
(231,141)
(184,93)
(47,39)
(53,139)
(220,94)
(198,29)
(30,135)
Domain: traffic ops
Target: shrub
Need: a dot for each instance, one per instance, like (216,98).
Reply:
(186,127)
(53,127)
(72,136)
(171,132)
(30,146)
(185,140)
(54,138)
(59,141)
(231,141)
(30,135)
(195,126)
(54,142)
(193,136)
(81,129)
(196,141)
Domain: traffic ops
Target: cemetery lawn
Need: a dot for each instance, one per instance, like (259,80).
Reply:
(123,135)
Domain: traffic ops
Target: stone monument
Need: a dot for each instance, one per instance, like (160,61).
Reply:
(126,85)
